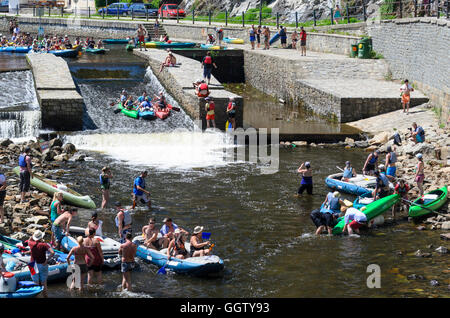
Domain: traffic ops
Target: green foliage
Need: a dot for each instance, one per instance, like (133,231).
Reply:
(375,55)
(100,3)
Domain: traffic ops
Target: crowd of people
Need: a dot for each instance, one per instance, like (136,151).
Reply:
(257,33)
(386,183)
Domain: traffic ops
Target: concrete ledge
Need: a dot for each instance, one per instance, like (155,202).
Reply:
(50,72)
(178,82)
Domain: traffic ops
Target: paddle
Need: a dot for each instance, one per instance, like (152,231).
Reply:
(419,205)
(206,235)
(162,270)
(340,168)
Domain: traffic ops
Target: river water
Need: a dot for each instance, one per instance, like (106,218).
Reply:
(261,231)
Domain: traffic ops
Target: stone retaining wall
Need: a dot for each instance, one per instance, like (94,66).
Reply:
(418,49)
(62,107)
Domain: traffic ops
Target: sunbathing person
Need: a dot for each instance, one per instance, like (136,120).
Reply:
(170,61)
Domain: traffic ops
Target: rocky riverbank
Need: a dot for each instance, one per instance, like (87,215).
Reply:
(22,219)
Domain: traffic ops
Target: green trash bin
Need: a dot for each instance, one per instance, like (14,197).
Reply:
(364,48)
(354,51)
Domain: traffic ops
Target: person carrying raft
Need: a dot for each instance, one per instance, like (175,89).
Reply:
(349,171)
(354,220)
(382,186)
(331,210)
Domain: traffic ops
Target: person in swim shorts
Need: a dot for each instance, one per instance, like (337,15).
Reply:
(405,91)
(128,252)
(80,252)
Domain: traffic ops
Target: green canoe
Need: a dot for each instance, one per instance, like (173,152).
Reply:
(372,210)
(130,113)
(50,187)
(432,200)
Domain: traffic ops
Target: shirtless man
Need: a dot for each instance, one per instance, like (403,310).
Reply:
(169,61)
(80,253)
(266,34)
(405,90)
(128,252)
(150,234)
(61,225)
(141,33)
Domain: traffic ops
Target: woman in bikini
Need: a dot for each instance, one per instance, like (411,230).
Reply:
(80,253)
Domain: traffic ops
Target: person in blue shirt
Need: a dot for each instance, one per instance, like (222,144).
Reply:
(349,171)
(283,36)
(418,134)
(140,194)
(382,186)
(167,231)
(142,98)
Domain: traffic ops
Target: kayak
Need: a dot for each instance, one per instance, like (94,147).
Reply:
(209,265)
(24,292)
(94,51)
(116,41)
(50,187)
(163,114)
(233,40)
(165,45)
(16,49)
(432,200)
(358,185)
(130,47)
(148,115)
(363,200)
(65,53)
(228,126)
(212,47)
(371,210)
(110,247)
(274,38)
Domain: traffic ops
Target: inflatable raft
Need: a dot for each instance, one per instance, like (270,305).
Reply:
(210,265)
(133,113)
(116,41)
(16,49)
(50,187)
(166,45)
(94,51)
(11,288)
(274,38)
(233,40)
(358,185)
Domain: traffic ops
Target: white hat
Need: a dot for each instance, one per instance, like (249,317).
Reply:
(38,235)
(177,231)
(198,229)
(336,194)
(381,166)
(419,155)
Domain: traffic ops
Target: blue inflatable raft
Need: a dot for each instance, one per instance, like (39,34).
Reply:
(358,185)
(274,38)
(16,49)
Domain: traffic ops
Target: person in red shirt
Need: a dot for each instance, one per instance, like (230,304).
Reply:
(303,41)
(39,257)
(402,189)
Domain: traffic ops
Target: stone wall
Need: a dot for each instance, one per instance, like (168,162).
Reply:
(62,107)
(418,49)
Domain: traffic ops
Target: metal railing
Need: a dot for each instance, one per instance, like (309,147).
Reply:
(360,12)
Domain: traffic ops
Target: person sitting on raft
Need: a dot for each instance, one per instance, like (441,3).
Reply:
(349,171)
(100,44)
(197,244)
(129,103)
(145,106)
(161,102)
(354,219)
(382,186)
(143,97)
(370,164)
(150,234)
(170,61)
(176,246)
(94,224)
(201,88)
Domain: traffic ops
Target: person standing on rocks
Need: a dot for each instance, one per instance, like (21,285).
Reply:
(3,195)
(391,159)
(128,253)
(39,257)
(405,91)
(306,183)
(105,177)
(25,173)
(420,175)
(141,33)
(302,41)
(417,134)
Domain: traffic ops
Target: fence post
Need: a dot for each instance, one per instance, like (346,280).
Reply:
(331,16)
(401,9)
(415,8)
(209,17)
(296,19)
(62,12)
(346,11)
(34,11)
(118,14)
(448,7)
(278,20)
(260,12)
(48,10)
(103,12)
(314,16)
(429,9)
(438,7)
(364,10)
(89,12)
(193,13)
(146,14)
(226,17)
(243,19)
(178,18)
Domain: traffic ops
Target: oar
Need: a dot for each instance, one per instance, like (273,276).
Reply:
(175,108)
(419,205)
(206,235)
(340,168)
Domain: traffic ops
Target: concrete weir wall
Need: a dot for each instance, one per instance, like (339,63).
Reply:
(61,106)
(178,82)
(417,49)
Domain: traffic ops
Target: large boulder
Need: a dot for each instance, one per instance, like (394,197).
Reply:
(5,142)
(414,149)
(379,139)
(69,148)
(56,142)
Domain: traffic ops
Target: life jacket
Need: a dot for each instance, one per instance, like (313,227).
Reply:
(126,218)
(208,60)
(374,159)
(211,107)
(393,158)
(348,173)
(230,105)
(334,204)
(203,90)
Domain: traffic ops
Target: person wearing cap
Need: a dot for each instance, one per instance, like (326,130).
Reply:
(170,61)
(105,184)
(26,173)
(231,112)
(420,175)
(167,231)
(382,186)
(150,235)
(81,254)
(39,258)
(417,133)
(208,64)
(140,194)
(95,224)
(306,183)
(210,114)
(3,186)
(371,163)
(61,226)
(197,247)
(176,246)
(128,252)
(349,171)
(123,221)
(201,88)
(354,219)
